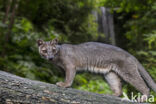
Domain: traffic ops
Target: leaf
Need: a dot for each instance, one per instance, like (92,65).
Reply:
(142,53)
(153,53)
(3,25)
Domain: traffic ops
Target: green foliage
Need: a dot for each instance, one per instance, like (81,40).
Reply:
(92,83)
(149,55)
(151,40)
(68,17)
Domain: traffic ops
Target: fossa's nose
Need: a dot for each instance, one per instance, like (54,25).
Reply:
(51,58)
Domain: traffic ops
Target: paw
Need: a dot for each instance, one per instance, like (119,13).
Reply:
(62,84)
(142,99)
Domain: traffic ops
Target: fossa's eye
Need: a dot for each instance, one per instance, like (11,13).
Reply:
(53,49)
(44,51)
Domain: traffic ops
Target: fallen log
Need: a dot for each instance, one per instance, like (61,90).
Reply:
(17,90)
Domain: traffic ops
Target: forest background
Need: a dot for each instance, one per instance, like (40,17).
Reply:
(23,22)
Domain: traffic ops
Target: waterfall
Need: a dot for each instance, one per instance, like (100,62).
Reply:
(105,22)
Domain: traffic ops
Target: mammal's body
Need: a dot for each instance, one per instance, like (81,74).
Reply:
(108,60)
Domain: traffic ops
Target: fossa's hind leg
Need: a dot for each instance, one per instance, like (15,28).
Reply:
(130,74)
(114,82)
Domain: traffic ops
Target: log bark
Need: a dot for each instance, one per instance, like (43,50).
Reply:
(17,90)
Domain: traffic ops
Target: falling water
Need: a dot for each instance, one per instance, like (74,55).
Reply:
(105,24)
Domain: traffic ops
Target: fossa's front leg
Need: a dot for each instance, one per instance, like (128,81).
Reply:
(70,75)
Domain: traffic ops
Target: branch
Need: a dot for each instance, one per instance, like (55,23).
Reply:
(15,90)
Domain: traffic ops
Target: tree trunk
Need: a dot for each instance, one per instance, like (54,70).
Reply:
(7,11)
(12,18)
(17,90)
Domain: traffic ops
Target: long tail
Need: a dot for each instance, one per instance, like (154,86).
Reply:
(147,77)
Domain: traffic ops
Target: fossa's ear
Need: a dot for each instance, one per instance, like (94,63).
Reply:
(54,41)
(40,42)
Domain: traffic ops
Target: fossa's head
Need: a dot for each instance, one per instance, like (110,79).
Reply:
(48,49)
